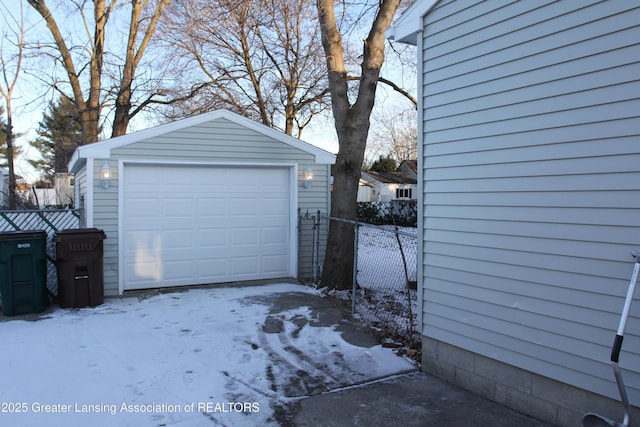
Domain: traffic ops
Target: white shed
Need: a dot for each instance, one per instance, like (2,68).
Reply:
(209,199)
(529,148)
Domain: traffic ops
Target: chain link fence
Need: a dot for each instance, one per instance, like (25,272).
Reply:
(50,221)
(384,293)
(386,277)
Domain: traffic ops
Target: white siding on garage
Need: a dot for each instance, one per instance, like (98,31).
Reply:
(310,201)
(80,194)
(531,180)
(104,216)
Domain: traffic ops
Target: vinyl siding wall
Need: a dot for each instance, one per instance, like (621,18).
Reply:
(531,181)
(80,190)
(317,198)
(105,217)
(215,142)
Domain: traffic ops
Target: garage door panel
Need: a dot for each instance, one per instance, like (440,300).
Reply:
(213,266)
(142,178)
(195,225)
(276,207)
(244,237)
(242,206)
(169,255)
(174,269)
(211,207)
(244,266)
(178,239)
(180,180)
(212,238)
(144,206)
(178,207)
(272,235)
(147,240)
(275,263)
(143,272)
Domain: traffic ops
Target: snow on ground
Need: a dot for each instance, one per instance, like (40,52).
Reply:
(192,358)
(383,299)
(380,262)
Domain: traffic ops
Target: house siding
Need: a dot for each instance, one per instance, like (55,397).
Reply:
(317,198)
(105,218)
(80,194)
(531,182)
(216,142)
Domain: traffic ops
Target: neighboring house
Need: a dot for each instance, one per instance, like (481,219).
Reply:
(386,186)
(22,188)
(42,197)
(530,198)
(63,184)
(60,196)
(409,169)
(209,199)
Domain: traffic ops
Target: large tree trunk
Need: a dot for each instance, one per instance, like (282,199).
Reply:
(337,271)
(352,127)
(133,56)
(89,122)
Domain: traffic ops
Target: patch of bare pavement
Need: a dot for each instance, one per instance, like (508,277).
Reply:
(332,393)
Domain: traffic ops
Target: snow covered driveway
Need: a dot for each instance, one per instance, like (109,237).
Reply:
(219,356)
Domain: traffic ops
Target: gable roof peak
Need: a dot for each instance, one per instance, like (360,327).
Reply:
(102,149)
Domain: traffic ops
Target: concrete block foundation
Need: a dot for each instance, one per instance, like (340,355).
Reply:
(541,397)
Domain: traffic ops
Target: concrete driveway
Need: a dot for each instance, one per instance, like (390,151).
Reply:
(267,355)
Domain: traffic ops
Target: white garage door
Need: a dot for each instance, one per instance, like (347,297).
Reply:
(187,225)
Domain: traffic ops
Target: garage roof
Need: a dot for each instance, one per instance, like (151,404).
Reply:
(103,149)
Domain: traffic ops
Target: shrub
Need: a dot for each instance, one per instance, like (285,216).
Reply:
(403,213)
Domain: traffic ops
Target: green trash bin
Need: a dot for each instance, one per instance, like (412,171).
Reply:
(23,272)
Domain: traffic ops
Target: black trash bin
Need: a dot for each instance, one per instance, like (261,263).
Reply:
(79,258)
(23,272)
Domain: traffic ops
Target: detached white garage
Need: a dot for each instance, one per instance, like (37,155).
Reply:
(209,199)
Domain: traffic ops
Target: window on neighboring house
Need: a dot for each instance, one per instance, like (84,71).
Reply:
(403,193)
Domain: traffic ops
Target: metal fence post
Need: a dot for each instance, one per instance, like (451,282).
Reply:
(355,267)
(316,248)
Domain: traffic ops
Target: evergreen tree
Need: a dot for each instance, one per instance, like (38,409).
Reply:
(384,164)
(3,144)
(59,134)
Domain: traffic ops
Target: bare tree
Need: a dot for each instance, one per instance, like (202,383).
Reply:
(11,65)
(84,65)
(143,12)
(89,103)
(352,121)
(396,133)
(259,58)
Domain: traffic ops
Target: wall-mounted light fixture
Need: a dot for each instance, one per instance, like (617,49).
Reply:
(105,175)
(308,178)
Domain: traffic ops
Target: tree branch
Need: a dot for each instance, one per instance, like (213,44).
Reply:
(399,90)
(393,86)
